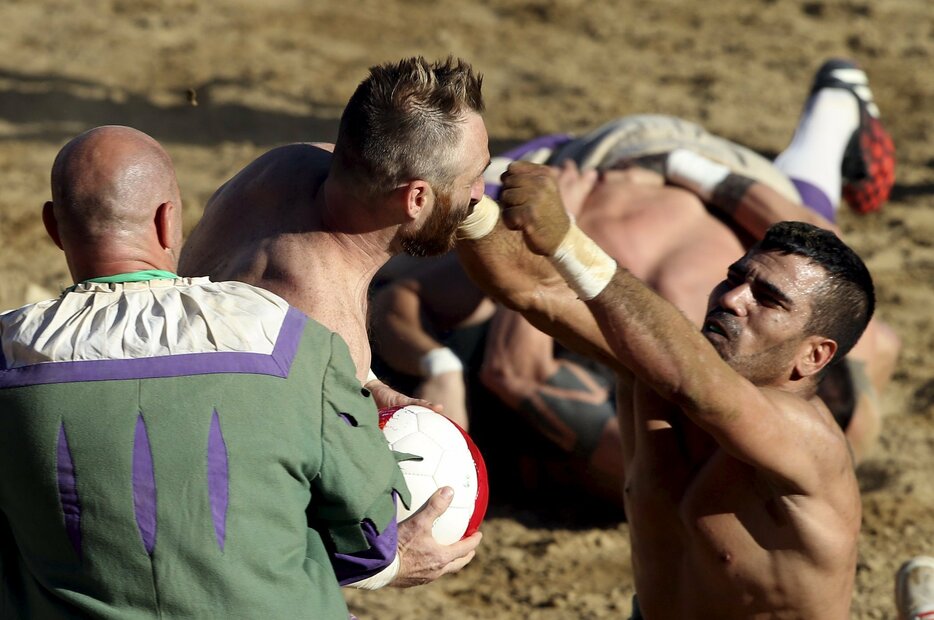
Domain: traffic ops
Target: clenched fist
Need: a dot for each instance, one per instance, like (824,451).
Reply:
(532,204)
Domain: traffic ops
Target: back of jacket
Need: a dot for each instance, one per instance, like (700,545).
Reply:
(164,447)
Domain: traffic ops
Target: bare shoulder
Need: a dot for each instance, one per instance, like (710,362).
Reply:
(270,195)
(812,432)
(315,156)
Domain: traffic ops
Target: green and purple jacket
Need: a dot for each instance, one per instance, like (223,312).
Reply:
(179,448)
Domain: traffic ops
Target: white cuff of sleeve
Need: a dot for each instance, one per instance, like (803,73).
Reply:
(438,361)
(380,579)
(695,172)
(370,376)
(481,221)
(584,265)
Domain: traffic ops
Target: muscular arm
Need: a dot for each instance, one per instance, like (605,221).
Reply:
(763,427)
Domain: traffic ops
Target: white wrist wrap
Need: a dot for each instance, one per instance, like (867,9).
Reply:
(380,579)
(585,267)
(370,376)
(695,172)
(481,221)
(438,361)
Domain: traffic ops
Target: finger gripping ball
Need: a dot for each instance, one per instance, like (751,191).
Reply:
(448,458)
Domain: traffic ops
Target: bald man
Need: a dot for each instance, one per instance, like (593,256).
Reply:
(179,448)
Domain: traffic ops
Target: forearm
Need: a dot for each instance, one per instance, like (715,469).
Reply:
(401,336)
(647,334)
(501,265)
(755,207)
(751,205)
(658,343)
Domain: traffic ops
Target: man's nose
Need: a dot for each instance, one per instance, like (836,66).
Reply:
(735,299)
(476,190)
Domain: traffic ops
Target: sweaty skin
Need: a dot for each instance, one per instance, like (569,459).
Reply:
(741,497)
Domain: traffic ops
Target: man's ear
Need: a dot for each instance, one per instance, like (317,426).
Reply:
(167,223)
(818,352)
(51,224)
(417,195)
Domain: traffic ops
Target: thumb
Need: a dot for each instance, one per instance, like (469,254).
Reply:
(437,504)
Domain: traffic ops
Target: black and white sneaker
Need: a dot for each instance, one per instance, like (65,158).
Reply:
(869,160)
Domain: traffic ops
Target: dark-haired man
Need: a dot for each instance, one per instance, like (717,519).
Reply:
(314,222)
(740,491)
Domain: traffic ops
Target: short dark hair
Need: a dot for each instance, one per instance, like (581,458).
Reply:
(845,302)
(404,122)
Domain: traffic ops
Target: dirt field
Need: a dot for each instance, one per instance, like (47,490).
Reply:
(280,73)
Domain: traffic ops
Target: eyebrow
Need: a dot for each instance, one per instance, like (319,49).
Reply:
(741,269)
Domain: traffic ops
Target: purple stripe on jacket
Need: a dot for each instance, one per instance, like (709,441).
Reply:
(144,486)
(218,479)
(68,491)
(277,363)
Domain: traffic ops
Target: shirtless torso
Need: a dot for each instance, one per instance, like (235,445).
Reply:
(264,227)
(715,537)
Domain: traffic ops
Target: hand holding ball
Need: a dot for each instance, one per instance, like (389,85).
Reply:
(448,458)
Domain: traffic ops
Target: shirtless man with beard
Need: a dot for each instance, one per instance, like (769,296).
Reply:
(314,222)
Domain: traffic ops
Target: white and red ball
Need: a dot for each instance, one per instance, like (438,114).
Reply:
(449,458)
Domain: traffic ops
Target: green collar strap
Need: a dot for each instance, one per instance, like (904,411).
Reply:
(135,276)
(132,276)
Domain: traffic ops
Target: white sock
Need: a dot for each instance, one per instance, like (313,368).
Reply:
(816,150)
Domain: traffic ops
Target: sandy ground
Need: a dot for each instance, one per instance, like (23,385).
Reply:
(280,73)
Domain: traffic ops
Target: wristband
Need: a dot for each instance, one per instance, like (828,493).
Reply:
(695,172)
(438,361)
(481,221)
(584,265)
(380,579)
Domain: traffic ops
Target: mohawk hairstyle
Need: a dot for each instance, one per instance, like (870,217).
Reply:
(404,122)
